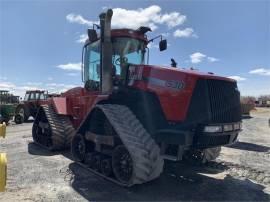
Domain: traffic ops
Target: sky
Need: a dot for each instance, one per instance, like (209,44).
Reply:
(41,41)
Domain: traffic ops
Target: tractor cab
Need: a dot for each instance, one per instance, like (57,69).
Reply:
(8,98)
(106,58)
(35,95)
(125,50)
(8,103)
(29,107)
(4,98)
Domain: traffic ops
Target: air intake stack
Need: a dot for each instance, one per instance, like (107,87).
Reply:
(106,51)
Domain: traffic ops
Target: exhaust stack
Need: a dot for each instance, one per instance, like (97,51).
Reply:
(106,51)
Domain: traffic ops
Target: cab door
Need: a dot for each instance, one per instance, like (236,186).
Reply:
(92,82)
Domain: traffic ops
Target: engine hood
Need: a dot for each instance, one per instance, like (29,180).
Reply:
(173,86)
(168,78)
(194,73)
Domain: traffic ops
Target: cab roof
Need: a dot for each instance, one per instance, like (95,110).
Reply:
(129,33)
(35,91)
(125,32)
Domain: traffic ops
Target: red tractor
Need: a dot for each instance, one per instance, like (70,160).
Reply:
(130,116)
(30,105)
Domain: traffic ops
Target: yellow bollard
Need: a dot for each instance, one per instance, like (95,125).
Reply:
(3,130)
(3,171)
(3,161)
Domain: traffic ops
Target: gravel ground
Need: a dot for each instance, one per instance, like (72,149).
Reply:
(241,173)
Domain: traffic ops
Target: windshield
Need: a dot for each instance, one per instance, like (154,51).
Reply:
(26,97)
(42,96)
(127,50)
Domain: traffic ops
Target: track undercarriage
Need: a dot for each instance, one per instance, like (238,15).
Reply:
(117,147)
(51,130)
(113,145)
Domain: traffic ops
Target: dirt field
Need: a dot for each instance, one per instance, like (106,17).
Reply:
(242,172)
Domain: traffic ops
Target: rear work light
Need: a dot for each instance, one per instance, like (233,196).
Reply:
(212,129)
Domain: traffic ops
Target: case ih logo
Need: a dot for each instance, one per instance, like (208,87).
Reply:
(135,73)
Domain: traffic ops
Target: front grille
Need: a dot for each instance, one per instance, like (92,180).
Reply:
(224,101)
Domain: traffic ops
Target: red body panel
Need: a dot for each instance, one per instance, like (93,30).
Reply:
(60,104)
(40,102)
(79,103)
(174,88)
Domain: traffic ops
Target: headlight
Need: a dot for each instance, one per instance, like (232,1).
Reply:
(212,129)
(237,126)
(228,128)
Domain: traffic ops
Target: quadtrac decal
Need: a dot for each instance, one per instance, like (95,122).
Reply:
(175,84)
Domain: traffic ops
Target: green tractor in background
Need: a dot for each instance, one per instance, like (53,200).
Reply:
(8,104)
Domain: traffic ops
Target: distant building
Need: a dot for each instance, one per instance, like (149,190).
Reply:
(263,101)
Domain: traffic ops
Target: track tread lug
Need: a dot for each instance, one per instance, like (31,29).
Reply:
(148,163)
(62,129)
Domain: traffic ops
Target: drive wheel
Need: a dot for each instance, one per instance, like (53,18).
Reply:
(106,167)
(35,132)
(41,133)
(18,119)
(122,164)
(96,162)
(108,129)
(21,111)
(78,147)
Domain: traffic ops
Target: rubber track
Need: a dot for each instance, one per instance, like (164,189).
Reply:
(145,153)
(61,127)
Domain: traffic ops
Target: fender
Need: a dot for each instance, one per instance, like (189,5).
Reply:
(60,105)
(100,99)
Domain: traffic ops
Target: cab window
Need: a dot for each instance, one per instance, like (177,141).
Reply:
(92,62)
(127,50)
(26,97)
(41,96)
(32,96)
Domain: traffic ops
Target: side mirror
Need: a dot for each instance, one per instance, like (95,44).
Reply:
(92,35)
(163,45)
